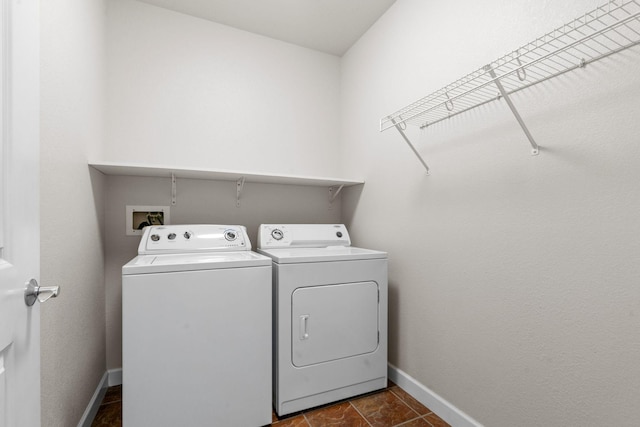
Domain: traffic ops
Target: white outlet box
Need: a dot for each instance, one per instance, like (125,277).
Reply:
(139,217)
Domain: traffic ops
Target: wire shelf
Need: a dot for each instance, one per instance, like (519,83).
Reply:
(604,31)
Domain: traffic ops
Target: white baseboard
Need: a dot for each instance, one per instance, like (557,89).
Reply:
(430,399)
(94,403)
(110,378)
(115,377)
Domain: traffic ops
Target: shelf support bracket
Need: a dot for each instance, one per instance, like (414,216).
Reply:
(404,136)
(173,189)
(534,147)
(333,193)
(239,188)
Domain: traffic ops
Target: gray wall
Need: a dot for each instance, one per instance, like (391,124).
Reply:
(73,346)
(198,202)
(514,279)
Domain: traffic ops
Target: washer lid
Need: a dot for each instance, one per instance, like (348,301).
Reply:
(165,263)
(331,253)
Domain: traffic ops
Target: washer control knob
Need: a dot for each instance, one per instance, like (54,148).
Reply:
(187,235)
(277,234)
(230,235)
(155,237)
(339,234)
(171,236)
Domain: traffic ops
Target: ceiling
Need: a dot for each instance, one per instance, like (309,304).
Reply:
(330,26)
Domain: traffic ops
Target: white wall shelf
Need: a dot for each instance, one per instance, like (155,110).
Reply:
(134,169)
(240,177)
(604,31)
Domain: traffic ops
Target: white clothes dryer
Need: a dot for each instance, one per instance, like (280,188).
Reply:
(329,315)
(196,312)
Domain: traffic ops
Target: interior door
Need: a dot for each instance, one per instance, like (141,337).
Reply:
(19,213)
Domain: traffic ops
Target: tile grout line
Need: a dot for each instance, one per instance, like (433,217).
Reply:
(407,422)
(405,402)
(304,415)
(408,406)
(360,413)
(419,417)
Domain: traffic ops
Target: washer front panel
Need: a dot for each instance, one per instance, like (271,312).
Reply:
(197,348)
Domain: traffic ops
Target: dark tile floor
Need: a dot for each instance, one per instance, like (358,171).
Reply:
(110,412)
(390,407)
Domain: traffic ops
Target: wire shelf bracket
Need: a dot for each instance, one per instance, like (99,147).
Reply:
(401,127)
(332,195)
(174,192)
(239,188)
(604,31)
(534,146)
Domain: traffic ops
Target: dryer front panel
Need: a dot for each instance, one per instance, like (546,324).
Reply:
(341,356)
(332,322)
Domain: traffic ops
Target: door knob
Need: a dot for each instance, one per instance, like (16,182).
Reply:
(34,292)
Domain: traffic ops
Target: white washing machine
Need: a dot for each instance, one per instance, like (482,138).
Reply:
(196,326)
(329,314)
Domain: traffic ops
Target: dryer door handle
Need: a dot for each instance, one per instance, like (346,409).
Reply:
(304,321)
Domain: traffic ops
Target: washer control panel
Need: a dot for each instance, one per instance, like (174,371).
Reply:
(302,236)
(193,238)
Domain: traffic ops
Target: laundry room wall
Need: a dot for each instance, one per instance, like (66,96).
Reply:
(72,82)
(188,92)
(513,278)
(198,202)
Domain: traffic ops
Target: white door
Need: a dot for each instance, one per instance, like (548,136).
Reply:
(19,213)
(331,322)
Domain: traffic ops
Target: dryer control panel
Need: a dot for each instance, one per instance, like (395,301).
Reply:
(271,236)
(193,238)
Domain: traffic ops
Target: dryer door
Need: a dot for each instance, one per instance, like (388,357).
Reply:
(332,322)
